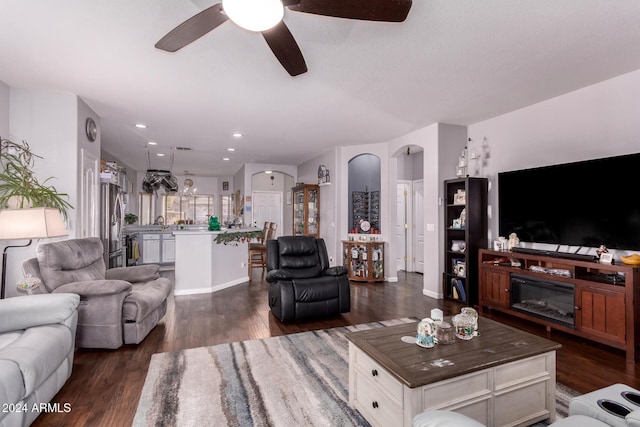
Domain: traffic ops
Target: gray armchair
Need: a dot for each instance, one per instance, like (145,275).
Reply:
(117,306)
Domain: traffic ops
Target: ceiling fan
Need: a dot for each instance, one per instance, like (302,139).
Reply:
(249,14)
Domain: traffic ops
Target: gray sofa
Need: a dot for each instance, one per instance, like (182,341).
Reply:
(37,336)
(117,306)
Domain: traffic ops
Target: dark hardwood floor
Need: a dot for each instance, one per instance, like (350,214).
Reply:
(105,386)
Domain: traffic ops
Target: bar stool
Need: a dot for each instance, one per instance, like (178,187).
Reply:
(258,250)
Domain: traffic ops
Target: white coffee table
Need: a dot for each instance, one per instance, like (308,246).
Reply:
(503,377)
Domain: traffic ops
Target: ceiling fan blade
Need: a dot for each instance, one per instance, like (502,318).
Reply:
(285,48)
(193,28)
(367,10)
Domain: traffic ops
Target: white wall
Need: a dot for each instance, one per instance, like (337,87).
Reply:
(410,166)
(4,133)
(4,110)
(441,144)
(308,173)
(48,121)
(597,121)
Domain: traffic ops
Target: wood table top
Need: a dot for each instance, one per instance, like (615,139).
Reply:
(415,366)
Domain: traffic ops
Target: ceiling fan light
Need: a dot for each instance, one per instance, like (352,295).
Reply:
(254,15)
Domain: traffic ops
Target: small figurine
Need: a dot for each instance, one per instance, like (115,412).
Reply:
(463,218)
(602,250)
(514,242)
(214,223)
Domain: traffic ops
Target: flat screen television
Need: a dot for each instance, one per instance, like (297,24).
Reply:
(585,204)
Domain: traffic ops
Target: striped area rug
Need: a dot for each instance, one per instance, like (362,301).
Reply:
(294,380)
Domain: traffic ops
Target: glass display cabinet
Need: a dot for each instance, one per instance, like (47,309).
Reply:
(364,260)
(306,210)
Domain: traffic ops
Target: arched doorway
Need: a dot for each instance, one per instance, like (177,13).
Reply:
(271,200)
(364,187)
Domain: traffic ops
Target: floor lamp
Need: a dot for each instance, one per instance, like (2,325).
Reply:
(32,223)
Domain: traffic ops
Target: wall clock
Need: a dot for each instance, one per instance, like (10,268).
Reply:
(92,129)
(365,226)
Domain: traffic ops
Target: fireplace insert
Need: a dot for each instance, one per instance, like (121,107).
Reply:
(545,299)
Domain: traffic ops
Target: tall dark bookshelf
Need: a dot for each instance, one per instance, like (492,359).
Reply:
(462,241)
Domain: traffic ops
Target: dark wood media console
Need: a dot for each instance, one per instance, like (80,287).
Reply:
(606,298)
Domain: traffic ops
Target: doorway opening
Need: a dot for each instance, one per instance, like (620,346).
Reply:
(268,201)
(409,227)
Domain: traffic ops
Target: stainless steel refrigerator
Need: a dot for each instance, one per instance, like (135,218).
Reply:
(112,224)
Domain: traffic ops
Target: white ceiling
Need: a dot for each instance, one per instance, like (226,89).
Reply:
(451,61)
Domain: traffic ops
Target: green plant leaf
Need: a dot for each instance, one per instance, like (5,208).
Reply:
(18,181)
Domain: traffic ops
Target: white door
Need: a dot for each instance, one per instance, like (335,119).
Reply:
(418,225)
(402,192)
(89,196)
(267,206)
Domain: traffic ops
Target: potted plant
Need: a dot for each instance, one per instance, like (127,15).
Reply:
(19,187)
(130,218)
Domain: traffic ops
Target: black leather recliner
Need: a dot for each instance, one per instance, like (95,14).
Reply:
(301,283)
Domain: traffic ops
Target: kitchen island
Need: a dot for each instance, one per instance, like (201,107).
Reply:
(205,266)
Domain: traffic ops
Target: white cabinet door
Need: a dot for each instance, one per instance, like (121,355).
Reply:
(150,250)
(168,249)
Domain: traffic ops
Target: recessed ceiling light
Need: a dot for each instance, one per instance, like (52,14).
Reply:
(152,143)
(237,135)
(225,158)
(141,125)
(160,154)
(231,149)
(268,171)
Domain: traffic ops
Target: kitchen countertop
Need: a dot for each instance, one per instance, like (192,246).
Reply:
(148,228)
(171,228)
(223,230)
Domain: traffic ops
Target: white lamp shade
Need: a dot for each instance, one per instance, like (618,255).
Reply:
(254,15)
(33,223)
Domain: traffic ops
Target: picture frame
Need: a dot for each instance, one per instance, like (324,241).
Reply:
(459,268)
(460,197)
(499,245)
(225,185)
(606,258)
